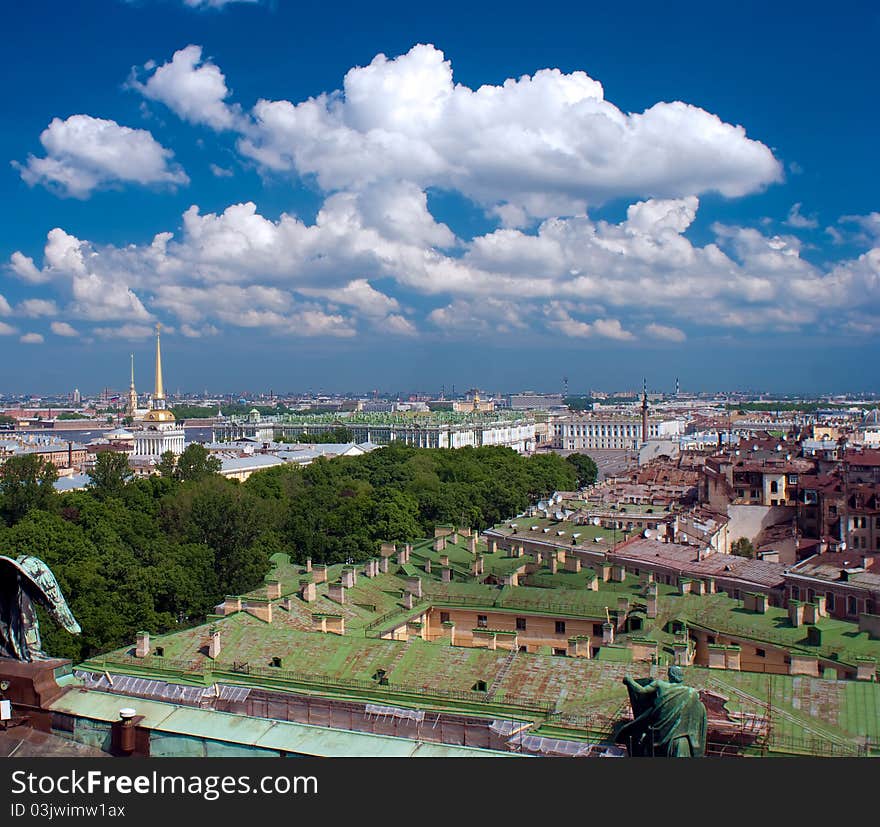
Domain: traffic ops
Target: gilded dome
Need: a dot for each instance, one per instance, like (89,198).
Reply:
(159,415)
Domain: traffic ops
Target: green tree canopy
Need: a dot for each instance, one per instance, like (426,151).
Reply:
(110,474)
(26,482)
(159,552)
(167,465)
(742,547)
(585,468)
(196,463)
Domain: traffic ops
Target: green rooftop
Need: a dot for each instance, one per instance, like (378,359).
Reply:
(575,696)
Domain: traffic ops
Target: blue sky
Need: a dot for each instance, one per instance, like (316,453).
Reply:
(357,196)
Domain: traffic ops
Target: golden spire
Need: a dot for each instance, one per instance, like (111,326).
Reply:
(132,370)
(158,410)
(159,392)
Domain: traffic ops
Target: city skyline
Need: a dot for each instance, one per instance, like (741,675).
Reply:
(417,205)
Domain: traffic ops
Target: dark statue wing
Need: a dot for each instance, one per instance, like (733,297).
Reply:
(42,587)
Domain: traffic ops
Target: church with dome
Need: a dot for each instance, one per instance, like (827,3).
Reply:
(159,431)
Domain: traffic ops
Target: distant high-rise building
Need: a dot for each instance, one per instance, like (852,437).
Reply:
(527,400)
(77,398)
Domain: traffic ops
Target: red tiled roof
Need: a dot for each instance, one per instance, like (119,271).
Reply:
(684,560)
(871,458)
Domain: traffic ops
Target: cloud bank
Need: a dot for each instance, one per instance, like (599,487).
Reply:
(537,153)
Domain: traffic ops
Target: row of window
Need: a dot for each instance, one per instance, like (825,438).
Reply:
(521,624)
(630,430)
(852,603)
(863,522)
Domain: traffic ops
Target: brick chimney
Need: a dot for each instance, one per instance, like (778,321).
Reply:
(260,609)
(142,648)
(607,633)
(681,653)
(214,643)
(336,592)
(449,626)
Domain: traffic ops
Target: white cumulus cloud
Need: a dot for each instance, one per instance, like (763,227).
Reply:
(193,89)
(85,153)
(31,339)
(536,146)
(63,329)
(351,270)
(214,4)
(94,293)
(799,221)
(125,331)
(660,331)
(34,308)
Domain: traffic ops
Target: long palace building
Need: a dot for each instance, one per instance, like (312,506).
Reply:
(437,430)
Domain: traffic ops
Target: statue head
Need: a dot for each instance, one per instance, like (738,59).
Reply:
(676,674)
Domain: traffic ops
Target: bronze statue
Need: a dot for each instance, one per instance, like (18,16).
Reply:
(24,582)
(669,719)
